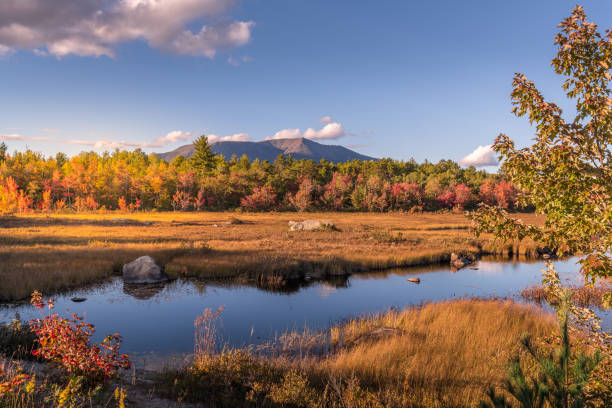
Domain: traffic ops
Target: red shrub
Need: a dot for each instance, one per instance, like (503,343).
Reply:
(262,198)
(67,342)
(407,195)
(487,193)
(463,196)
(506,194)
(447,199)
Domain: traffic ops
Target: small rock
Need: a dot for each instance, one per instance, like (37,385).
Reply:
(143,270)
(78,299)
(414,280)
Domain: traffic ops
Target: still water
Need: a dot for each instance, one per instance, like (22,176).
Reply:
(159,319)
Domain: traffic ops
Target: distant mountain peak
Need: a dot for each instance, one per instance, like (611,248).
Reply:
(298,148)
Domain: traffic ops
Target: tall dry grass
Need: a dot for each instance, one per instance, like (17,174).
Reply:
(438,355)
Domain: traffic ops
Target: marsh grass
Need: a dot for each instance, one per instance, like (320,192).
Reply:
(16,340)
(584,296)
(62,251)
(437,355)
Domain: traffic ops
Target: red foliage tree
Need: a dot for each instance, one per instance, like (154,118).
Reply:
(506,195)
(463,196)
(407,195)
(263,198)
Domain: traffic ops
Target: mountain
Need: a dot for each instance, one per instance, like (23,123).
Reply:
(270,149)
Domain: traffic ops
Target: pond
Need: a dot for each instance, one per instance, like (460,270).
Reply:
(159,319)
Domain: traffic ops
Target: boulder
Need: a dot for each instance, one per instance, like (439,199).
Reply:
(143,270)
(310,225)
(460,261)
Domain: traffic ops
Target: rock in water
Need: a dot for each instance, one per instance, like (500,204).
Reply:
(414,280)
(459,262)
(143,270)
(310,225)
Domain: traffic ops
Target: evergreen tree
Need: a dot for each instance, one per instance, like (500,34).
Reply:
(203,160)
(3,149)
(561,375)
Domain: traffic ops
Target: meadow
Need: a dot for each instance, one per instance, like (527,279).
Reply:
(58,251)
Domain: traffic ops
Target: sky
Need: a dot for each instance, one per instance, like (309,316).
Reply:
(428,80)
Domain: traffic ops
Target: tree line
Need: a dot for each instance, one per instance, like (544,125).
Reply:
(134,180)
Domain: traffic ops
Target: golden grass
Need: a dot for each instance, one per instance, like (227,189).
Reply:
(59,251)
(451,351)
(438,355)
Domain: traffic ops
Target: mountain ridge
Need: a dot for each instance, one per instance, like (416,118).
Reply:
(298,148)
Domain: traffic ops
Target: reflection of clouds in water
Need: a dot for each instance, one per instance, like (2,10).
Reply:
(489,268)
(325,289)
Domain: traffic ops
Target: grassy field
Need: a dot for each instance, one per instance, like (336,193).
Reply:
(439,355)
(59,251)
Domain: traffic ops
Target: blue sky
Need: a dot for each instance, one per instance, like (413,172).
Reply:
(401,79)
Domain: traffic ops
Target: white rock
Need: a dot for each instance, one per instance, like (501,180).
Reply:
(310,225)
(143,270)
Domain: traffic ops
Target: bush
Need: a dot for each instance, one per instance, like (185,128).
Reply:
(67,342)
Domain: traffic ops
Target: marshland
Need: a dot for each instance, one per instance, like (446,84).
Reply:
(286,271)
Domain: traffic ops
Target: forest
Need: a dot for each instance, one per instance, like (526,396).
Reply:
(135,180)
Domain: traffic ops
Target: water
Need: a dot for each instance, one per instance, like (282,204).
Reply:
(160,319)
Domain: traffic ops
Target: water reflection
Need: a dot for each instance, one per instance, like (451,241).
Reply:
(159,318)
(143,291)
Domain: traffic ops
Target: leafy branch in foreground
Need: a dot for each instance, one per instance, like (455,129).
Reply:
(567,173)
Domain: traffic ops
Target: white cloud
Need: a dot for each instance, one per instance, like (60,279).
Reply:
(170,138)
(96,27)
(287,134)
(4,50)
(16,136)
(237,137)
(52,131)
(238,61)
(482,156)
(332,130)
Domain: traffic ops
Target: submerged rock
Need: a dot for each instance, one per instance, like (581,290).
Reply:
(460,261)
(143,270)
(310,225)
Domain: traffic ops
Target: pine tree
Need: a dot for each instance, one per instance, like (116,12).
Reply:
(561,375)
(3,149)
(203,160)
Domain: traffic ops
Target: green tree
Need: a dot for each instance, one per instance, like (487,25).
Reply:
(203,160)
(3,149)
(567,173)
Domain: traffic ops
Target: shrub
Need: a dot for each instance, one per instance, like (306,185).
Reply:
(263,198)
(67,342)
